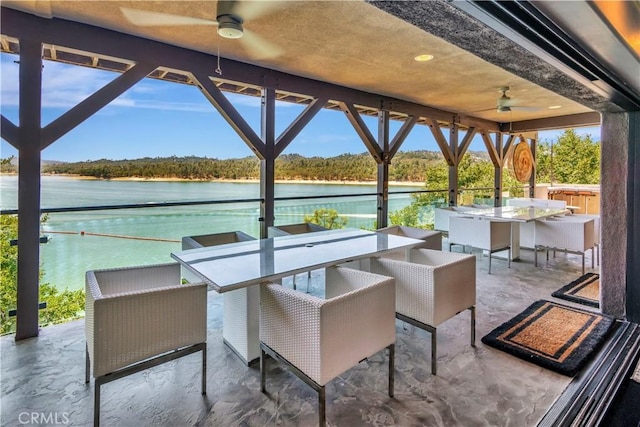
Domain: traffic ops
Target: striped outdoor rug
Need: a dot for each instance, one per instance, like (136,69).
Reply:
(554,336)
(584,290)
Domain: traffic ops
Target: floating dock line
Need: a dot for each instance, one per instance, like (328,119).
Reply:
(117,236)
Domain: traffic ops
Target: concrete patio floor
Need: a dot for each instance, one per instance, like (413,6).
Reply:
(477,386)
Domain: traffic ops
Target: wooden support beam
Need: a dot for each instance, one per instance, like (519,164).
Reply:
(85,109)
(268,163)
(453,169)
(533,145)
(495,157)
(561,122)
(441,141)
(230,114)
(113,44)
(9,131)
(298,124)
(498,168)
(382,213)
(508,147)
(363,132)
(29,162)
(402,134)
(464,145)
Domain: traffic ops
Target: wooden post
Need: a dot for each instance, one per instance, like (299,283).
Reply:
(29,141)
(268,163)
(383,170)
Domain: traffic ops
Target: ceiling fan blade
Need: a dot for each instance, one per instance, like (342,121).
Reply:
(480,111)
(145,18)
(260,48)
(250,10)
(525,108)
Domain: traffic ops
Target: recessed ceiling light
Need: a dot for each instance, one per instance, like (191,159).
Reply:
(555,107)
(424,57)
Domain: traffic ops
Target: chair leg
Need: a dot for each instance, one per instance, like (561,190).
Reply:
(583,263)
(392,353)
(509,257)
(489,262)
(262,371)
(535,255)
(473,325)
(87,365)
(433,351)
(593,256)
(96,403)
(322,407)
(204,369)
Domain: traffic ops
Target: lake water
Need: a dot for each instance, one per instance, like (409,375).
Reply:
(69,253)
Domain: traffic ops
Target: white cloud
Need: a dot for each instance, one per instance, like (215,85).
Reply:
(243,100)
(174,106)
(63,86)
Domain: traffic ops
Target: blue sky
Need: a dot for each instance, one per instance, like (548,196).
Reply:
(159,119)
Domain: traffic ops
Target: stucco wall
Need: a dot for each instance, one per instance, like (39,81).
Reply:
(613,212)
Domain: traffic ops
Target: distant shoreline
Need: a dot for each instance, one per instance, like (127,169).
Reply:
(237,181)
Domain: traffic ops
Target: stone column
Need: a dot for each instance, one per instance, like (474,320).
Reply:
(620,214)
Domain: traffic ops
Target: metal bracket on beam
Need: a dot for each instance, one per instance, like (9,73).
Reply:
(43,239)
(14,312)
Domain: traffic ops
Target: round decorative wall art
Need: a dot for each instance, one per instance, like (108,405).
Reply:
(522,162)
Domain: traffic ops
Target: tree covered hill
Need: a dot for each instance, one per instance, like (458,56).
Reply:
(406,166)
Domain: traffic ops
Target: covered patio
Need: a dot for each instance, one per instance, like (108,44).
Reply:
(474,386)
(359,61)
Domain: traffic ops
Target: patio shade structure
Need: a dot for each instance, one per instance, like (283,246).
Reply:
(357,57)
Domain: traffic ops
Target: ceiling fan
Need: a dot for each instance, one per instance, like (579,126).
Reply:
(231,16)
(506,104)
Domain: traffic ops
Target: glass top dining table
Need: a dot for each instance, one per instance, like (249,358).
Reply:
(238,265)
(236,269)
(515,213)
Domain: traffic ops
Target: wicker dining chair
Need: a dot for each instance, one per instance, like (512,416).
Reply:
(432,287)
(320,338)
(139,317)
(492,236)
(572,234)
(432,239)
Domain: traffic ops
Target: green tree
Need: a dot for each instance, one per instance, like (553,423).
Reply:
(409,216)
(572,159)
(475,181)
(7,166)
(61,305)
(327,218)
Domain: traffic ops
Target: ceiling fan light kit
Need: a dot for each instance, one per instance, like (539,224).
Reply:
(230,27)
